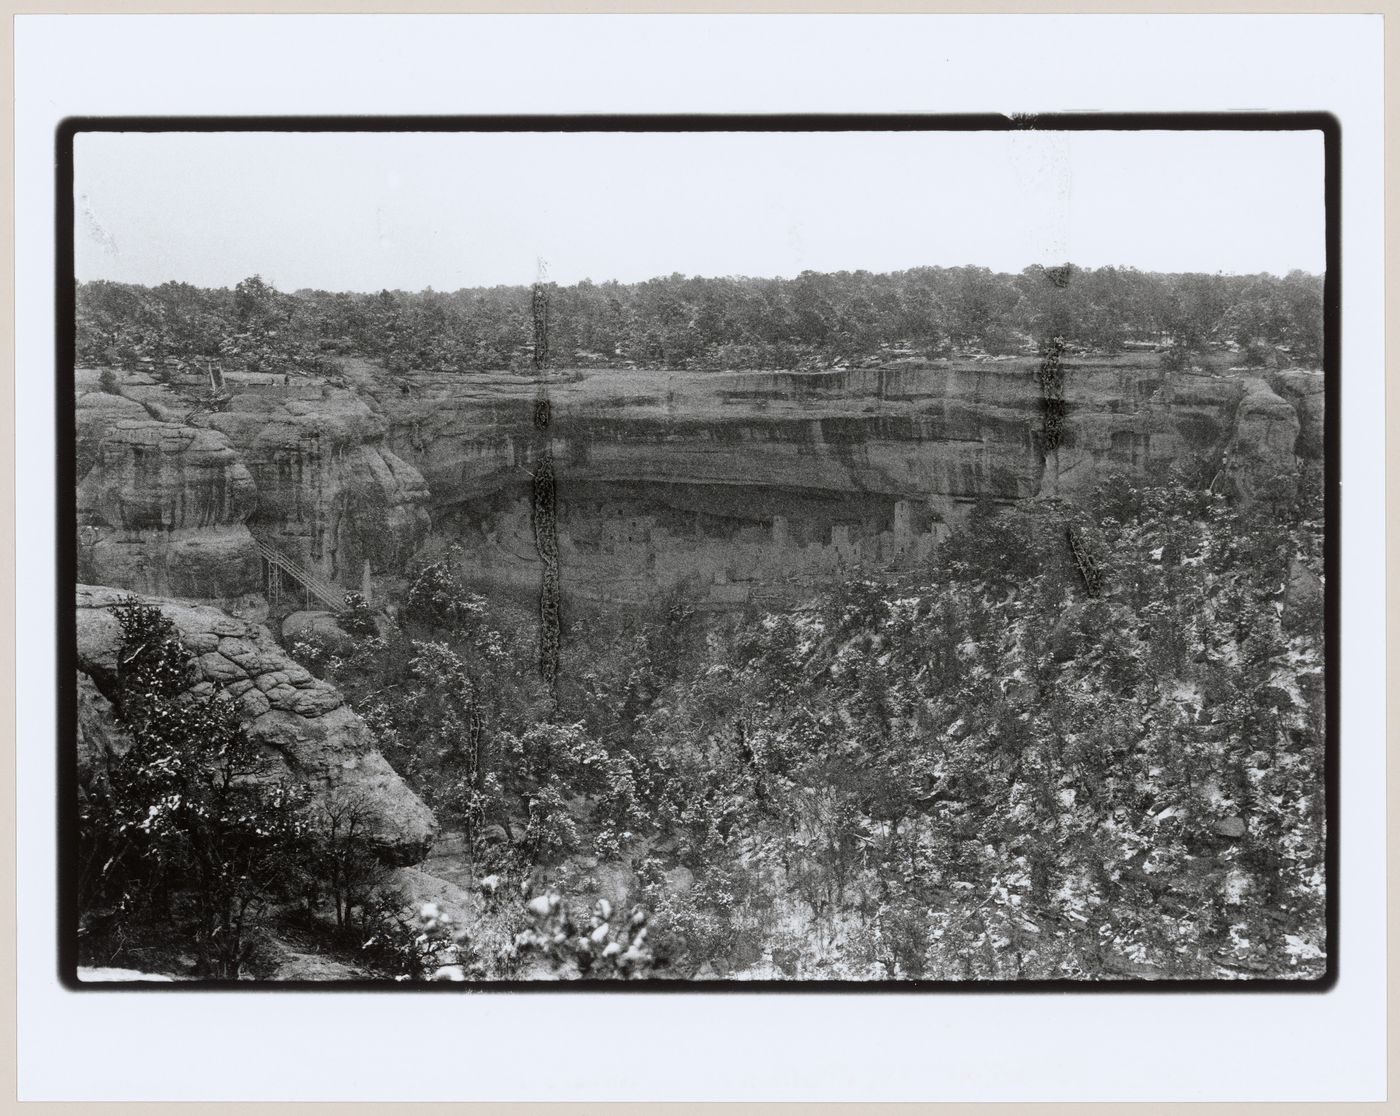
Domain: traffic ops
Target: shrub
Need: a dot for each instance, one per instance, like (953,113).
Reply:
(406,947)
(551,830)
(341,856)
(598,946)
(357,618)
(187,810)
(1176,357)
(437,598)
(996,546)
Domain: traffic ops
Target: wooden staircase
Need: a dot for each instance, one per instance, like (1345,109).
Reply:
(277,566)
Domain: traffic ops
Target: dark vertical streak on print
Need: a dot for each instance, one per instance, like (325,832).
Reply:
(542,504)
(1051,378)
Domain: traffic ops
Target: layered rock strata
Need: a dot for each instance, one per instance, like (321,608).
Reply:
(735,483)
(742,483)
(163,508)
(330,493)
(175,488)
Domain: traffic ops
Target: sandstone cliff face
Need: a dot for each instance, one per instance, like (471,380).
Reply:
(1150,424)
(733,482)
(1265,436)
(95,413)
(1306,391)
(748,480)
(163,508)
(310,735)
(172,494)
(329,493)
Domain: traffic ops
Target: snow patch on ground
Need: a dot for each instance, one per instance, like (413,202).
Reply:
(1296,947)
(100,974)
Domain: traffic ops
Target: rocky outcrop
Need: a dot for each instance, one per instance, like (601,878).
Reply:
(310,735)
(166,476)
(330,493)
(175,488)
(1306,391)
(320,626)
(163,508)
(95,413)
(1265,436)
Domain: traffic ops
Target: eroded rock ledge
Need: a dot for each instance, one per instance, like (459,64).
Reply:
(310,735)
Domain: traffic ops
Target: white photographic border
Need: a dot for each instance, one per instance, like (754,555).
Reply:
(687,1045)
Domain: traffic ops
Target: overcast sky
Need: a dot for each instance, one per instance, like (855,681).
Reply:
(364,211)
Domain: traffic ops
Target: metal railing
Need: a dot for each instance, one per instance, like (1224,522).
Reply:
(278,563)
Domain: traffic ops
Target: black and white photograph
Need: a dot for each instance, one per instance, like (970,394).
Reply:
(699,553)
(667,558)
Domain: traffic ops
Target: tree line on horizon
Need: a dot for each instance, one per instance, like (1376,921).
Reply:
(687,322)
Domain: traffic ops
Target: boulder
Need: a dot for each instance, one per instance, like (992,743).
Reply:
(679,880)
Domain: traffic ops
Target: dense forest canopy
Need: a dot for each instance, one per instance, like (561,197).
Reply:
(814,320)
